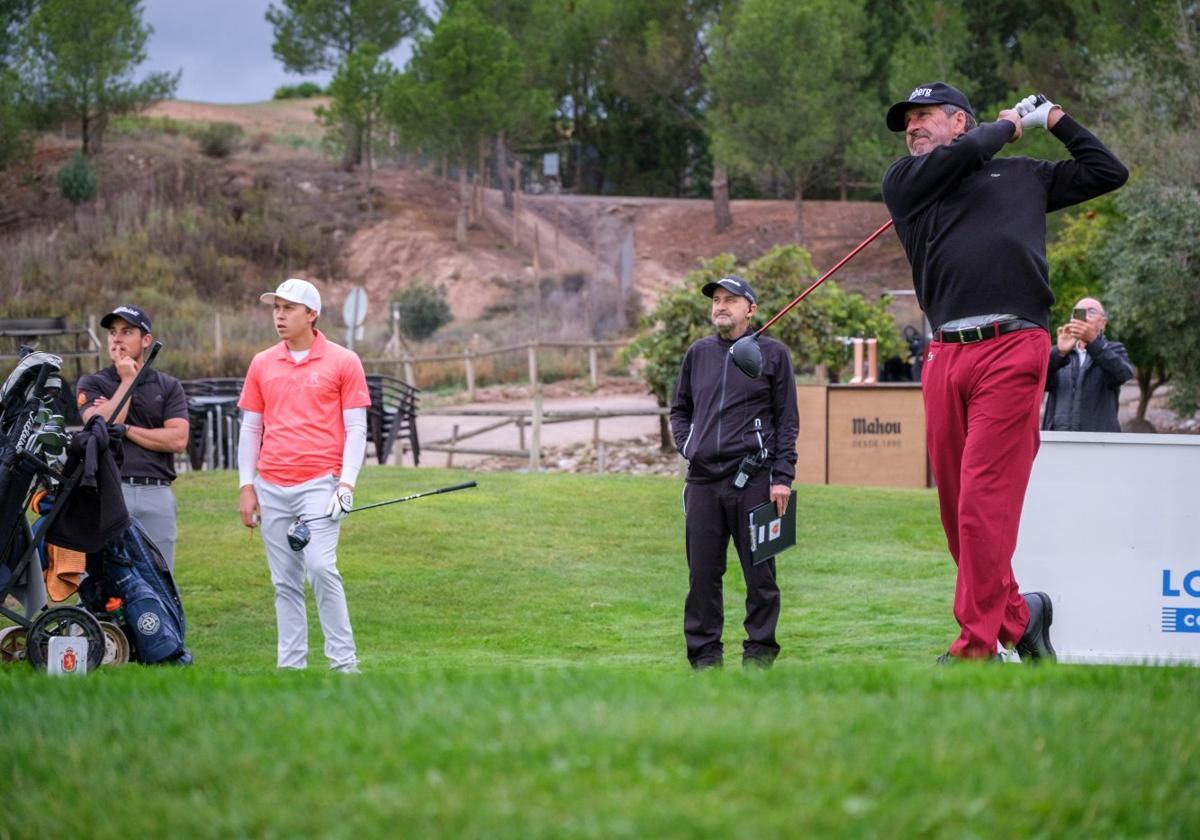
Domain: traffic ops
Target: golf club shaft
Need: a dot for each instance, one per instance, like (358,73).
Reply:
(451,489)
(154,348)
(825,277)
(463,486)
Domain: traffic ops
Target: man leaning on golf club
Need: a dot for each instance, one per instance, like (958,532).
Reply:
(974,229)
(304,431)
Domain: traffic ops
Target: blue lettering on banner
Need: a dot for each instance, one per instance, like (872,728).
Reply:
(1190,584)
(1180,620)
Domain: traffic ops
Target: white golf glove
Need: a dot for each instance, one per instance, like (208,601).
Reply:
(1034,110)
(340,504)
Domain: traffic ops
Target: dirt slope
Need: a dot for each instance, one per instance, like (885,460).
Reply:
(403,231)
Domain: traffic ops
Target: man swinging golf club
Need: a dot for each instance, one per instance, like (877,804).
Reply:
(304,430)
(974,228)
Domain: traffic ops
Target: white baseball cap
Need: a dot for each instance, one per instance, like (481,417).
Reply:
(295,290)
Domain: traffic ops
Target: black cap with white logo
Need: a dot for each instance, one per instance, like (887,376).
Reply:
(732,283)
(934,93)
(134,315)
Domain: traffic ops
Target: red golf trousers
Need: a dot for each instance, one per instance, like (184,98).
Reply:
(981,423)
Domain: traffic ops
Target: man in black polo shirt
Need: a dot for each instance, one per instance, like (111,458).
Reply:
(155,418)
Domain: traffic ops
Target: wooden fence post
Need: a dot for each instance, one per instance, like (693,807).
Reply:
(533,365)
(453,443)
(535,442)
(409,374)
(593,366)
(470,364)
(597,444)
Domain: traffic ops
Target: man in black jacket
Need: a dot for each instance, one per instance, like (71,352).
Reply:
(1086,374)
(974,228)
(726,423)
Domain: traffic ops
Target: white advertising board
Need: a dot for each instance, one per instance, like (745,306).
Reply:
(1111,531)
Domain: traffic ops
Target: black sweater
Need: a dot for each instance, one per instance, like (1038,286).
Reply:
(715,406)
(974,226)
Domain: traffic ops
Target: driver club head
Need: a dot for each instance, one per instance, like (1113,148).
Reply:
(747,355)
(298,535)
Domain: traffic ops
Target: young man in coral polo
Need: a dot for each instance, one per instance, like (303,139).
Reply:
(304,430)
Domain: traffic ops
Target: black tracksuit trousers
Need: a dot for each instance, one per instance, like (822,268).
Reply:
(713,512)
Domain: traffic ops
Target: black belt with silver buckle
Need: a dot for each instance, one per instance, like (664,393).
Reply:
(983,332)
(140,481)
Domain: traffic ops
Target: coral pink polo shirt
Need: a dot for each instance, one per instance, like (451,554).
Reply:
(301,404)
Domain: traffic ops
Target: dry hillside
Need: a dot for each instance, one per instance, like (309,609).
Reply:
(404,230)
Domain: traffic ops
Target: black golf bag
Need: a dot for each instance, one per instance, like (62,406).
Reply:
(132,569)
(122,562)
(34,380)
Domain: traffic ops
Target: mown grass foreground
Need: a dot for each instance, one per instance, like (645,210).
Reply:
(523,676)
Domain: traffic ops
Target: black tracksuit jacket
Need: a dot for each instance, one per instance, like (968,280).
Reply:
(715,407)
(974,226)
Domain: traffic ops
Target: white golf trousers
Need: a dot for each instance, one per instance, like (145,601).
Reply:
(278,508)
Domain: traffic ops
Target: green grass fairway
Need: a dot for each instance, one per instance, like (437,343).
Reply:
(524,676)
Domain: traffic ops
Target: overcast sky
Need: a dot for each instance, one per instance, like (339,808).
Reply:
(223,48)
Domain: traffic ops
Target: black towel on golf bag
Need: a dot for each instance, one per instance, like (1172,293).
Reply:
(153,611)
(94,513)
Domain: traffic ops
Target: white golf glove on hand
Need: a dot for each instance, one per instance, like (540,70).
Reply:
(1034,110)
(340,504)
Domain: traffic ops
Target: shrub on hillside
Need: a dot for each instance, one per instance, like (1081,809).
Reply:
(219,139)
(303,90)
(423,311)
(77,181)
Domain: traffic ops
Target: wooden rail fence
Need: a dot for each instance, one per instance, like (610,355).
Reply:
(534,418)
(408,363)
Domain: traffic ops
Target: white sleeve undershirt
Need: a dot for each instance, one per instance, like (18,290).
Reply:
(355,421)
(353,452)
(249,444)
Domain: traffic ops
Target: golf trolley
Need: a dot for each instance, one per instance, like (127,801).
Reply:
(41,464)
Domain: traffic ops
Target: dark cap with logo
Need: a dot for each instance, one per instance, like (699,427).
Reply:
(934,93)
(134,315)
(732,283)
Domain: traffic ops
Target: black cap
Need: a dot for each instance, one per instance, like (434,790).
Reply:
(133,314)
(732,283)
(934,93)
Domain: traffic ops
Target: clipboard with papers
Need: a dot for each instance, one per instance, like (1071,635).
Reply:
(771,533)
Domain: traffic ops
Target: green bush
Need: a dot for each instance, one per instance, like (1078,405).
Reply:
(423,311)
(303,90)
(219,139)
(77,181)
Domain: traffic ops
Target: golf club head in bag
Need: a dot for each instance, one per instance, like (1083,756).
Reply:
(299,534)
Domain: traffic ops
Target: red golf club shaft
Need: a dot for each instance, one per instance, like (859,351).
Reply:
(824,277)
